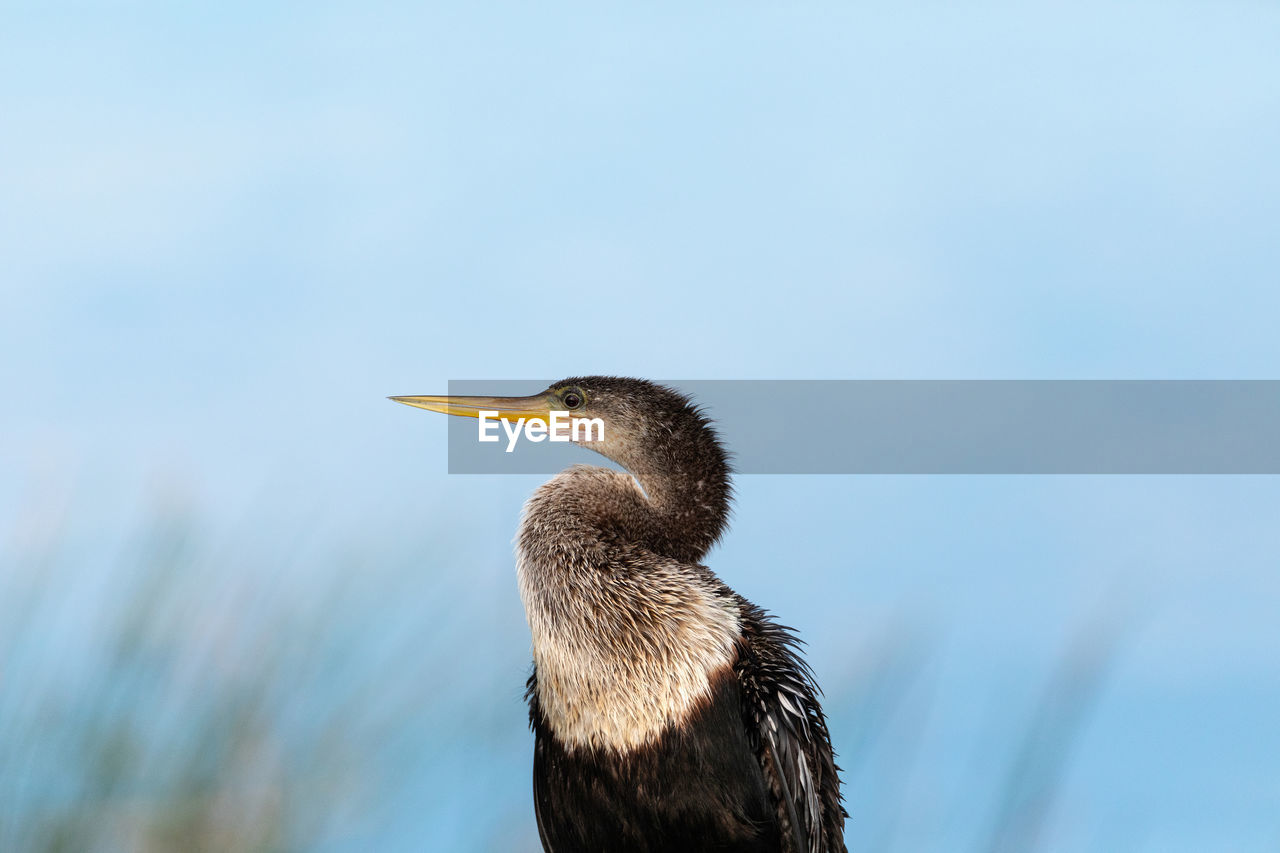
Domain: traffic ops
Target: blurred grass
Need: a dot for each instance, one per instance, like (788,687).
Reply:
(176,693)
(1031,783)
(175,696)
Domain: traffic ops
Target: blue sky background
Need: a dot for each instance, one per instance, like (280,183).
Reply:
(228,232)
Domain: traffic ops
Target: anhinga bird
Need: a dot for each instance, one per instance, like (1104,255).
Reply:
(670,713)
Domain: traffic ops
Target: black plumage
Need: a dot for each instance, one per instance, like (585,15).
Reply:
(669,713)
(749,772)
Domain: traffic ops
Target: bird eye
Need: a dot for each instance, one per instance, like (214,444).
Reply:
(572,399)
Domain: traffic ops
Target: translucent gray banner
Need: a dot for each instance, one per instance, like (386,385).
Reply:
(943,427)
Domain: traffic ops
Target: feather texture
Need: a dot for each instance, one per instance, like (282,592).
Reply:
(670,713)
(789,735)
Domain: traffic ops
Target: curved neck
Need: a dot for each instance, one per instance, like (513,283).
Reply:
(686,480)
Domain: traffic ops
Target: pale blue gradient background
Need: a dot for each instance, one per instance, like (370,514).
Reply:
(227,232)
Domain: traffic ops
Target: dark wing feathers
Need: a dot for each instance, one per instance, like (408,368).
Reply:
(782,710)
(539,775)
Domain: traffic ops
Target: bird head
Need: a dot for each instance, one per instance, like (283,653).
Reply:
(656,433)
(637,423)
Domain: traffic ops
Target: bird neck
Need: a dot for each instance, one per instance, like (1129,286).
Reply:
(686,481)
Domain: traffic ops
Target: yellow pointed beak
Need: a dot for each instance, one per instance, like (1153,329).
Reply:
(507,408)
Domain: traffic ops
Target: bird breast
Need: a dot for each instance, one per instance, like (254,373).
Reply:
(626,643)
